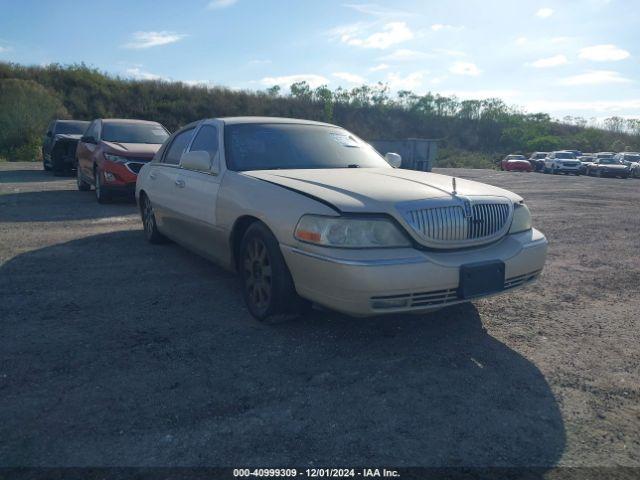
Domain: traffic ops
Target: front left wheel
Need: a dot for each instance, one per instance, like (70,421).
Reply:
(268,288)
(151,231)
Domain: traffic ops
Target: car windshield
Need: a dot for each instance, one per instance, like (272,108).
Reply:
(268,146)
(565,155)
(632,158)
(609,161)
(604,155)
(541,155)
(134,133)
(515,157)
(71,128)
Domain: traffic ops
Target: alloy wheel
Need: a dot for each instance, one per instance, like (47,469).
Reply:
(258,274)
(148,219)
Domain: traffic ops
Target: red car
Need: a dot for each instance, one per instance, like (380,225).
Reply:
(111,153)
(516,163)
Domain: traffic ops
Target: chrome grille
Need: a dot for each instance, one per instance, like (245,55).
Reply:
(459,224)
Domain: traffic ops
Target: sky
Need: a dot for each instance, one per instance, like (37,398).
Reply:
(563,57)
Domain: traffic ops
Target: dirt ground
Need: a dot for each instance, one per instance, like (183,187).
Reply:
(116,352)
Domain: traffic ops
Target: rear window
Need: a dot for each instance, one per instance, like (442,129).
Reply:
(565,155)
(153,133)
(71,128)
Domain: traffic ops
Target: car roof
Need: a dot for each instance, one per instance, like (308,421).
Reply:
(72,121)
(128,120)
(241,120)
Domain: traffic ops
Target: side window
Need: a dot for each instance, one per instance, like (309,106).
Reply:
(206,140)
(177,147)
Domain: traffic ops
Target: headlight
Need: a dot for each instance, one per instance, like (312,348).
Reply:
(115,158)
(349,232)
(521,219)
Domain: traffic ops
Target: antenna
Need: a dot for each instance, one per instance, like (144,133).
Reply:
(453,181)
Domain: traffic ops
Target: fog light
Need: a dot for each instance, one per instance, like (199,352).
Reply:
(384,303)
(109,177)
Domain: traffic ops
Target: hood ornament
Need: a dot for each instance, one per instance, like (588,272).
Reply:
(453,184)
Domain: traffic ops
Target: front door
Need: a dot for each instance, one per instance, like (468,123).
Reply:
(195,201)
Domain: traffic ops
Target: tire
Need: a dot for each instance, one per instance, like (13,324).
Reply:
(267,286)
(102,194)
(46,167)
(83,186)
(151,231)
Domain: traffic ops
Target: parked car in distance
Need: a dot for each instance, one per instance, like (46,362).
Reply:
(631,160)
(608,167)
(576,153)
(111,153)
(515,163)
(605,155)
(518,165)
(561,162)
(585,160)
(537,160)
(307,212)
(59,145)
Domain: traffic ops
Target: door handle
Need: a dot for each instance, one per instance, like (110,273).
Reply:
(152,175)
(179,183)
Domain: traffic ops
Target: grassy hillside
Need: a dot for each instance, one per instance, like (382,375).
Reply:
(472,132)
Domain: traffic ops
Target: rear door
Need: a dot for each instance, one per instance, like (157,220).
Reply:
(162,186)
(195,201)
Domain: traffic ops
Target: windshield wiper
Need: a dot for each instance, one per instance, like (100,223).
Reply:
(353,165)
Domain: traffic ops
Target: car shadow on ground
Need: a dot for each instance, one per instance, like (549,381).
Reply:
(53,205)
(117,352)
(30,176)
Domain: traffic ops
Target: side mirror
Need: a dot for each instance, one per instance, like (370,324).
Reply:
(198,160)
(393,159)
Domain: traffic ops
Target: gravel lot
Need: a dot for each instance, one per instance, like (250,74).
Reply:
(116,352)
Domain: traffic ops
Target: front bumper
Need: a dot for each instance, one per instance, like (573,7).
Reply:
(354,281)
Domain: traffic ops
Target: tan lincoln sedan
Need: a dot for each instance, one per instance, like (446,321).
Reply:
(306,212)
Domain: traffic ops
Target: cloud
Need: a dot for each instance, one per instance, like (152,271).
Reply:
(257,62)
(481,94)
(217,4)
(141,40)
(139,74)
(521,41)
(603,53)
(375,10)
(437,27)
(4,49)
(544,12)
(392,33)
(377,68)
(449,52)
(594,77)
(350,77)
(405,54)
(465,68)
(408,82)
(313,80)
(611,106)
(548,62)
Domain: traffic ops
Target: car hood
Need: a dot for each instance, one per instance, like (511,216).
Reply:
(613,167)
(375,189)
(141,149)
(518,162)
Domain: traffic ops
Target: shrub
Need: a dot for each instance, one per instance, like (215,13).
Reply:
(26,107)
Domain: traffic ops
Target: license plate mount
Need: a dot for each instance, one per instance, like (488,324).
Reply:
(481,278)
